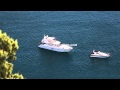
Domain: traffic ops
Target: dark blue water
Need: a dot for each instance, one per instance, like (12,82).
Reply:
(98,30)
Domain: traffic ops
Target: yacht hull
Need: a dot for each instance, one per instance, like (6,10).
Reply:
(100,56)
(54,48)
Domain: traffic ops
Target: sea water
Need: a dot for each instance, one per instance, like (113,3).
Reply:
(90,30)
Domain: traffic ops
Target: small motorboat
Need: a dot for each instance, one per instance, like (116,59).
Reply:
(99,54)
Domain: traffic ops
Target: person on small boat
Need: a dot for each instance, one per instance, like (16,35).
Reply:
(96,51)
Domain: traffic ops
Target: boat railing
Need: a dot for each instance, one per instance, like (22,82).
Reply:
(71,44)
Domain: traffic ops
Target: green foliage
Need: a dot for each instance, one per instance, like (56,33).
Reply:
(9,45)
(17,76)
(3,55)
(8,49)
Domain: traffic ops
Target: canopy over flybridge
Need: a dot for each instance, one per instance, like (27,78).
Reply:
(50,40)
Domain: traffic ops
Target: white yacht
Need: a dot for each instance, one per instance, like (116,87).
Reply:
(51,43)
(99,54)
